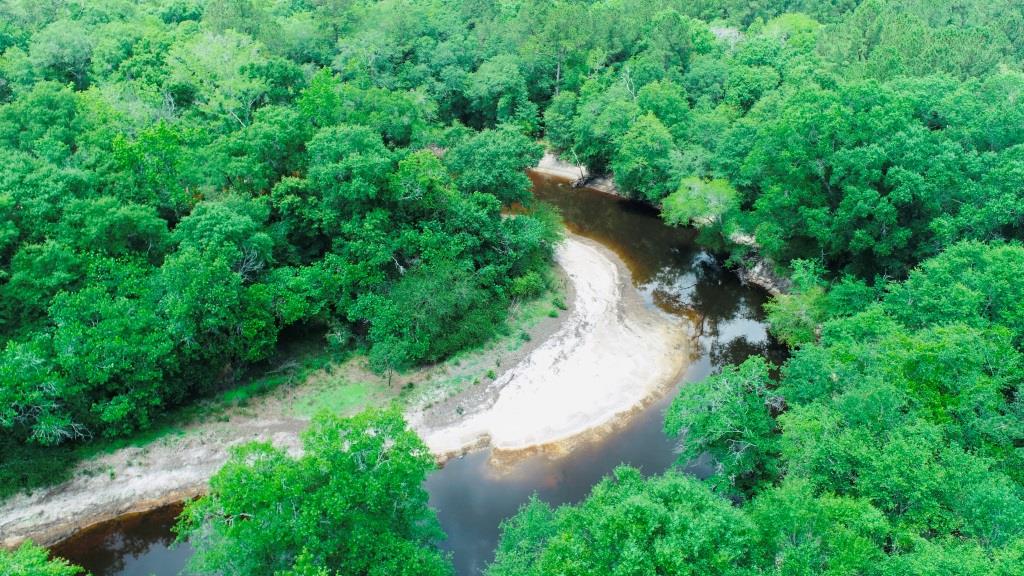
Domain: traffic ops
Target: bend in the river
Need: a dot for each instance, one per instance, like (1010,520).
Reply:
(611,355)
(668,272)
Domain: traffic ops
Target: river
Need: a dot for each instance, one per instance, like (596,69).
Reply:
(473,494)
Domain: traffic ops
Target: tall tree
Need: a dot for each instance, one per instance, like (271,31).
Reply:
(351,504)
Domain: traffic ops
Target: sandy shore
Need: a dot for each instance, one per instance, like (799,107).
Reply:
(551,165)
(611,355)
(581,373)
(578,175)
(136,479)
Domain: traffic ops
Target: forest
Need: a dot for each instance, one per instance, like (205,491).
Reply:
(186,182)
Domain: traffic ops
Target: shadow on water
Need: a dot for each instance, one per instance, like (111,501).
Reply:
(672,272)
(135,544)
(471,495)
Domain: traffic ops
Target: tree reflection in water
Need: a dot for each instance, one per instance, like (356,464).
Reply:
(133,545)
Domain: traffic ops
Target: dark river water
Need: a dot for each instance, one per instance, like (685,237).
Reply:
(473,494)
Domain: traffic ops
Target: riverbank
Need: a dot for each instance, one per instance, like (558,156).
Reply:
(755,269)
(578,175)
(179,465)
(611,356)
(606,352)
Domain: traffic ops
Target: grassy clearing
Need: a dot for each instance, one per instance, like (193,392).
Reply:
(341,397)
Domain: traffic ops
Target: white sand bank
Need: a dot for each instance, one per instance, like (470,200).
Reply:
(551,165)
(608,355)
(611,355)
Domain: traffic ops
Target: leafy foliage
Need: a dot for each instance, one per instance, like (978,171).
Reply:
(698,202)
(868,143)
(186,180)
(889,444)
(669,525)
(351,504)
(728,417)
(31,560)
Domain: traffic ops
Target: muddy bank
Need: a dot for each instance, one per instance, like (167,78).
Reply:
(610,356)
(136,479)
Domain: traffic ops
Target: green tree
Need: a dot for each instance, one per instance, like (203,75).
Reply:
(256,158)
(499,95)
(803,533)
(211,72)
(158,168)
(115,358)
(247,16)
(643,162)
(667,101)
(31,560)
(494,162)
(62,51)
(116,229)
(699,202)
(524,537)
(628,525)
(796,318)
(320,102)
(602,120)
(351,504)
(431,312)
(236,225)
(348,166)
(559,120)
(200,298)
(37,273)
(34,395)
(729,417)
(971,283)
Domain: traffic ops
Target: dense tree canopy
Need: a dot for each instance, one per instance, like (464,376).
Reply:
(867,135)
(351,504)
(890,444)
(184,180)
(281,148)
(669,525)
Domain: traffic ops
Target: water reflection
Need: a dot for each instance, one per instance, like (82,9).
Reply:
(471,496)
(133,545)
(472,499)
(669,269)
(672,273)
